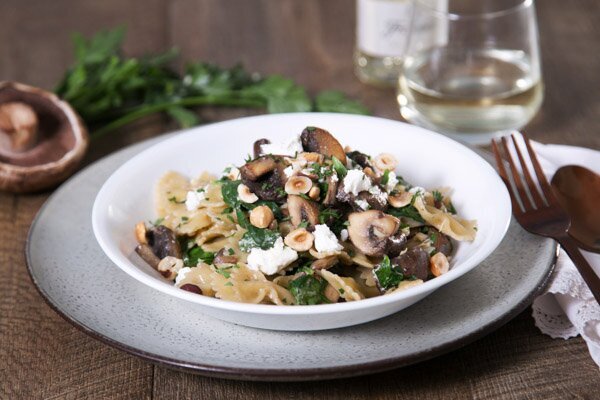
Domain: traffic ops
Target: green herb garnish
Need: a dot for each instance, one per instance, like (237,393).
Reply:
(339,168)
(437,196)
(387,276)
(309,290)
(385,178)
(173,199)
(195,254)
(408,211)
(110,90)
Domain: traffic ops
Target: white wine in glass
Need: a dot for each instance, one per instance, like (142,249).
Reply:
(469,85)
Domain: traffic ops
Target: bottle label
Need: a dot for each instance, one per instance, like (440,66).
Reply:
(382,26)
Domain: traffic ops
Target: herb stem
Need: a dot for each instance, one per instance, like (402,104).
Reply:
(144,110)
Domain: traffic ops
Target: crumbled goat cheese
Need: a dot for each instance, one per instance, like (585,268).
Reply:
(356,181)
(182,274)
(289,171)
(286,148)
(417,190)
(272,260)
(363,204)
(344,235)
(392,182)
(380,196)
(193,199)
(325,240)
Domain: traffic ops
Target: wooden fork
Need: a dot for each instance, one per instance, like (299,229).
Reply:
(538,211)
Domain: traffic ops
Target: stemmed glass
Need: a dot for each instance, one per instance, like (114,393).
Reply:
(472,67)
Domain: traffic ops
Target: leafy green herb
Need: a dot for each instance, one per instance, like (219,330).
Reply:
(339,168)
(311,128)
(450,208)
(387,276)
(229,193)
(228,284)
(157,221)
(327,214)
(437,196)
(408,211)
(303,224)
(385,178)
(173,199)
(258,238)
(308,290)
(230,251)
(110,90)
(195,254)
(224,271)
(334,101)
(342,291)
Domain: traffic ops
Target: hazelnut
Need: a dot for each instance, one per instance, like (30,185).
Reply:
(314,192)
(439,264)
(298,185)
(245,194)
(140,233)
(261,216)
(170,266)
(370,173)
(385,161)
(299,239)
(400,200)
(312,157)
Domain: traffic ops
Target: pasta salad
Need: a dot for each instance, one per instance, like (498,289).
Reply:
(301,223)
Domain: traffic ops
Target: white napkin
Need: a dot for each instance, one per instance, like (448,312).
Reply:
(567,308)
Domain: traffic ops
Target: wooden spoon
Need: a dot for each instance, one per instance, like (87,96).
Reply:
(578,192)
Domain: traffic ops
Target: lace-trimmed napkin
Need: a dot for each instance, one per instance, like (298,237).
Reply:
(567,308)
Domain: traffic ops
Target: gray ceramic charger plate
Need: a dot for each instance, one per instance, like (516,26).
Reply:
(81,284)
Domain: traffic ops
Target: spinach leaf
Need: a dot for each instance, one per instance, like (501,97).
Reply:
(308,290)
(387,276)
(196,254)
(408,211)
(229,192)
(257,237)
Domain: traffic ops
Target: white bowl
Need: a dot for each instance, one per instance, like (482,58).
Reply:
(426,159)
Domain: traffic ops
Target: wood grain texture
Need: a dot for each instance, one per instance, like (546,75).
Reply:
(42,356)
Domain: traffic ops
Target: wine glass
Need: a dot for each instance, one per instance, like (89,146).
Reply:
(472,67)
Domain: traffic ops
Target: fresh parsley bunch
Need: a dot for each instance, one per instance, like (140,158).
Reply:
(109,90)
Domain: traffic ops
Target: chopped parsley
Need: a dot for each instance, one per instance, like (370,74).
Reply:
(408,211)
(387,276)
(308,290)
(258,238)
(228,284)
(173,199)
(437,196)
(385,178)
(450,208)
(230,251)
(224,271)
(157,221)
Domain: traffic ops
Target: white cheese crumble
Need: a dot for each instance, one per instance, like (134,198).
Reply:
(392,182)
(363,204)
(181,274)
(344,235)
(289,147)
(272,260)
(380,196)
(193,199)
(356,181)
(417,190)
(325,240)
(289,171)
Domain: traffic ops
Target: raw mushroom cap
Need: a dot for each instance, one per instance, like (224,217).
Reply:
(371,230)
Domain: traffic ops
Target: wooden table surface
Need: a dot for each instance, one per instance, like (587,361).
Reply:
(42,356)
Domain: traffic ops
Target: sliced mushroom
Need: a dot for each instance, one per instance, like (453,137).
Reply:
(442,243)
(253,170)
(257,147)
(415,262)
(270,186)
(360,158)
(222,258)
(332,187)
(301,209)
(371,230)
(164,243)
(320,141)
(375,202)
(324,263)
(148,255)
(397,244)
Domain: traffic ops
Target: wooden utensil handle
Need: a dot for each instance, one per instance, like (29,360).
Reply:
(587,273)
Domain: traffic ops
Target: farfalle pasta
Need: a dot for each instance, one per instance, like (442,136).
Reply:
(304,222)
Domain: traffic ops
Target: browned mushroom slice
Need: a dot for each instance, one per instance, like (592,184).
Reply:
(397,244)
(270,186)
(148,255)
(301,209)
(257,147)
(441,242)
(320,141)
(222,258)
(360,158)
(415,262)
(375,202)
(371,230)
(324,263)
(164,242)
(332,187)
(254,169)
